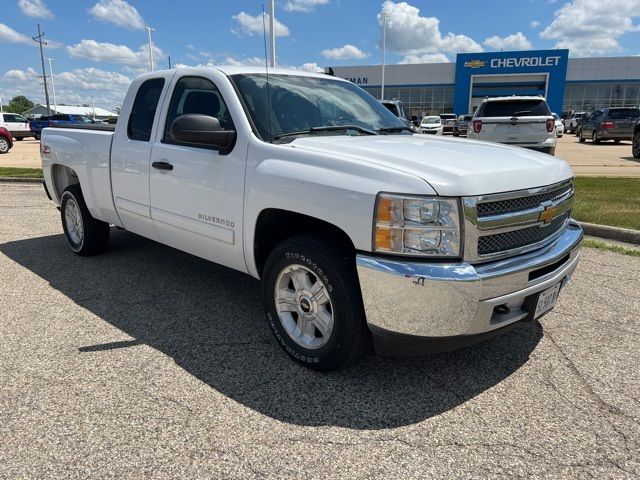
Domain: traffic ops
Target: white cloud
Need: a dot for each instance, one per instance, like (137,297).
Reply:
(245,61)
(35,8)
(8,34)
(250,25)
(121,54)
(408,33)
(119,13)
(344,53)
(303,5)
(592,27)
(310,67)
(534,24)
(77,86)
(425,58)
(517,41)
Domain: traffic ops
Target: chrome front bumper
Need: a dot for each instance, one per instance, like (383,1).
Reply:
(443,300)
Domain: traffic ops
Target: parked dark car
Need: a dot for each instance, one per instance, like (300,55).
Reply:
(635,148)
(37,125)
(6,140)
(616,123)
(578,123)
(461,125)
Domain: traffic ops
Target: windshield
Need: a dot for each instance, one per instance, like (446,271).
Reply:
(431,120)
(300,103)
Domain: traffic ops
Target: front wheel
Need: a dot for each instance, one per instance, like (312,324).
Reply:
(594,137)
(37,137)
(19,139)
(313,303)
(85,234)
(635,148)
(4,145)
(581,137)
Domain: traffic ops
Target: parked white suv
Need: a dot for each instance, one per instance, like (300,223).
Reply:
(16,124)
(520,121)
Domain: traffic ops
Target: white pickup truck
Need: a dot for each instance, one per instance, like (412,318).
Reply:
(361,232)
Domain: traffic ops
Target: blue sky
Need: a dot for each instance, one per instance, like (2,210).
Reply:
(99,45)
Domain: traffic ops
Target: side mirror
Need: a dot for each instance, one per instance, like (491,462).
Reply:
(202,130)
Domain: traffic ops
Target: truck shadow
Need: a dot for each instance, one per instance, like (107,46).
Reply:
(209,320)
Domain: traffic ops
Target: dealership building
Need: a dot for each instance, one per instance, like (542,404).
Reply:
(581,84)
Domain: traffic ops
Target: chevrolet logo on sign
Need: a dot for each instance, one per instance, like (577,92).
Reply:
(547,214)
(475,64)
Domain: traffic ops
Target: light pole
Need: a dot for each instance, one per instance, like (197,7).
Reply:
(53,87)
(1,111)
(384,49)
(149,30)
(272,33)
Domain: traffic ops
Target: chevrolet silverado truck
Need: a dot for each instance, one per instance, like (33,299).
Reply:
(361,232)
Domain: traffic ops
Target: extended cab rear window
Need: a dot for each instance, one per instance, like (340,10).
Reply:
(515,108)
(144,110)
(623,113)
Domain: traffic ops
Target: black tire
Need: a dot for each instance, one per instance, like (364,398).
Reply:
(19,139)
(456,134)
(594,137)
(37,137)
(581,137)
(617,140)
(95,233)
(327,261)
(4,145)
(635,147)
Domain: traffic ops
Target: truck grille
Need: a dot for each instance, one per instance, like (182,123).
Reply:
(520,238)
(522,203)
(506,224)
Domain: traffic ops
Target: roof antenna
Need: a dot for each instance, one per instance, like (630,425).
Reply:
(266,67)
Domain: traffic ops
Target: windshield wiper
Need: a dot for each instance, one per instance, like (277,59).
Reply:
(326,128)
(394,129)
(520,113)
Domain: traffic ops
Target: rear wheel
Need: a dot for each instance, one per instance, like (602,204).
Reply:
(594,137)
(37,137)
(4,145)
(19,139)
(635,148)
(313,303)
(581,137)
(617,140)
(85,234)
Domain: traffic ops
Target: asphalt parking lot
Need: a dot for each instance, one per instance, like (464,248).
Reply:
(147,362)
(605,159)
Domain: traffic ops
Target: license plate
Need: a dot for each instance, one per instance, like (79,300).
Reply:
(547,300)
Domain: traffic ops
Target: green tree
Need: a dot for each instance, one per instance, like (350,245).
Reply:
(19,104)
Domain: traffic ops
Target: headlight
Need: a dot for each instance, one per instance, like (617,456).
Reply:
(428,226)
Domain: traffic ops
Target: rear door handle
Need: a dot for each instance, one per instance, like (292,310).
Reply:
(162,165)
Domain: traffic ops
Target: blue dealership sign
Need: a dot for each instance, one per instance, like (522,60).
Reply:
(552,63)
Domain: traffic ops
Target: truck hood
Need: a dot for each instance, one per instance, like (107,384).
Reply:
(453,167)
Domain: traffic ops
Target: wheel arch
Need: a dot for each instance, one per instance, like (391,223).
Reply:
(62,176)
(275,225)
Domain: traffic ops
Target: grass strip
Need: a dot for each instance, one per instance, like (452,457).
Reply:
(21,172)
(610,248)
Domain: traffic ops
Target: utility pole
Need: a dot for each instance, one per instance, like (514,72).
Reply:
(272,32)
(149,30)
(384,49)
(53,87)
(39,40)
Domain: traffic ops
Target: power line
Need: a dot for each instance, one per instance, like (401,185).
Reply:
(41,42)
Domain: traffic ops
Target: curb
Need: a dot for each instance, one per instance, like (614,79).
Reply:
(611,233)
(21,180)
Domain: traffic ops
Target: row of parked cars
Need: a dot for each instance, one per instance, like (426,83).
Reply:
(15,126)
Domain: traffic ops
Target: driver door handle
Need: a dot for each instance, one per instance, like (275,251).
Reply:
(162,165)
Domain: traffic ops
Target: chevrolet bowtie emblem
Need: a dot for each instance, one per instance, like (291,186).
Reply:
(547,214)
(475,64)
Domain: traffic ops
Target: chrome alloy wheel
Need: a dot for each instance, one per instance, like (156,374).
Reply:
(4,145)
(304,306)
(73,219)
